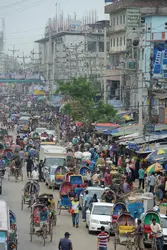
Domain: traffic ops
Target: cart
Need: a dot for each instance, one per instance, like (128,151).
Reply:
(43,199)
(123,233)
(118,208)
(40,224)
(30,193)
(64,202)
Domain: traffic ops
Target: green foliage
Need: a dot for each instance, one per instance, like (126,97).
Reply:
(80,95)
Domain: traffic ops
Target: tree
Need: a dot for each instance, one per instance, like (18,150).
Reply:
(80,102)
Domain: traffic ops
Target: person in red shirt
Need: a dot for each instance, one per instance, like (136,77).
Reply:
(103,238)
(108,178)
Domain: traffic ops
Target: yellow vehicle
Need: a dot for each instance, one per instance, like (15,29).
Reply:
(24,124)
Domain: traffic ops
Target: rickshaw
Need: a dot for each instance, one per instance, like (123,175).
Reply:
(44,199)
(147,220)
(13,230)
(59,175)
(8,228)
(67,176)
(41,225)
(119,207)
(108,196)
(83,170)
(77,180)
(15,172)
(8,141)
(64,202)
(30,192)
(123,233)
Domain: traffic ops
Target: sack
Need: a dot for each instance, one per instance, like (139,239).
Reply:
(71,211)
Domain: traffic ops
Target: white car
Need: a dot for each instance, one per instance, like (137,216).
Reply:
(98,215)
(91,191)
(40,130)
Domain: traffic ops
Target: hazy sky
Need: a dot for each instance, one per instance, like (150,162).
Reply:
(25,19)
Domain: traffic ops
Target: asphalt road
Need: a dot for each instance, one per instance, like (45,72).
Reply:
(81,240)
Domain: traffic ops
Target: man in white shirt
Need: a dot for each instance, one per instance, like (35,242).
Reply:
(157,231)
(35,174)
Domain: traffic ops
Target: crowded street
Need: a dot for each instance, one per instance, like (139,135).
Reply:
(80,238)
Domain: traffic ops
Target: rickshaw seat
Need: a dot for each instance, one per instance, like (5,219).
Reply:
(147,229)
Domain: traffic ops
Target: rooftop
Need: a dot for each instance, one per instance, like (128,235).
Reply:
(117,5)
(71,33)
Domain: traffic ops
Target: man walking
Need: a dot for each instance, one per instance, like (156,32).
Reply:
(141,177)
(65,243)
(103,238)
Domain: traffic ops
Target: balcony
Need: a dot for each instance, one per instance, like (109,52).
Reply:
(117,29)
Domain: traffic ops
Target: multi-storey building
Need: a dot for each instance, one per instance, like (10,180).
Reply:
(74,53)
(126,29)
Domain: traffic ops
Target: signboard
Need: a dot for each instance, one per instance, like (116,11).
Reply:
(160,60)
(149,128)
(133,18)
(75,25)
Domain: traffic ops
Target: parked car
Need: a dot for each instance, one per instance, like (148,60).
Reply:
(92,190)
(99,214)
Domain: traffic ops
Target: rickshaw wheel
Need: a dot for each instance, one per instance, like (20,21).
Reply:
(31,232)
(22,202)
(59,207)
(51,231)
(115,243)
(21,176)
(44,234)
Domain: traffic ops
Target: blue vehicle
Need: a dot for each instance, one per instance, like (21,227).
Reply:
(64,202)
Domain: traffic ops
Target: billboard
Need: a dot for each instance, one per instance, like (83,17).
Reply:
(160,60)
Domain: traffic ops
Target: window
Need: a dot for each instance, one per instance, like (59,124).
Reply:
(117,20)
(124,19)
(111,42)
(124,40)
(101,46)
(114,42)
(117,41)
(120,19)
(92,46)
(120,41)
(113,21)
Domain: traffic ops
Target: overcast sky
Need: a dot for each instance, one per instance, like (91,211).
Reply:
(25,19)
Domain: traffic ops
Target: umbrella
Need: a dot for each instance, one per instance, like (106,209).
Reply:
(78,155)
(156,167)
(156,155)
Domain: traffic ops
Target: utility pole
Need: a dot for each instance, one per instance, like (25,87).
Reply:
(33,53)
(140,94)
(50,60)
(23,58)
(105,64)
(13,55)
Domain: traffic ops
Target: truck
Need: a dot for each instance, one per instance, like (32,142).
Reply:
(53,156)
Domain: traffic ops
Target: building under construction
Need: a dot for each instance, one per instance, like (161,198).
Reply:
(2,25)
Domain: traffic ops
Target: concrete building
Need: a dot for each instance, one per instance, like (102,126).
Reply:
(69,54)
(126,29)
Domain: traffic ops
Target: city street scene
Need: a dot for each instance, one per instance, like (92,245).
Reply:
(83,124)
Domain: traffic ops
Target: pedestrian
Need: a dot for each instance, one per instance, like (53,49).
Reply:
(40,166)
(30,166)
(88,178)
(157,230)
(141,177)
(152,182)
(85,205)
(35,174)
(65,243)
(139,236)
(103,238)
(75,214)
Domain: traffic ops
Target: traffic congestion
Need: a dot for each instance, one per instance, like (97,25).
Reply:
(60,188)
